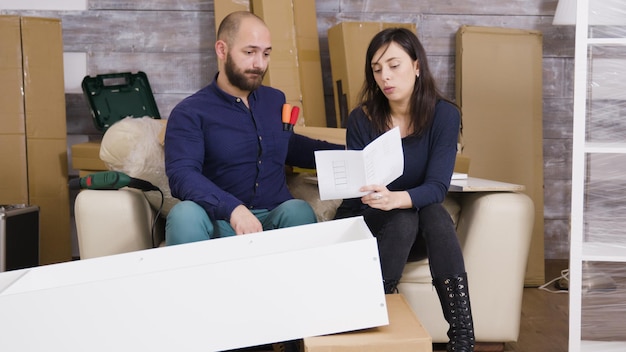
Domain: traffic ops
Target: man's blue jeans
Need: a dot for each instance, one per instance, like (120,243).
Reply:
(188,222)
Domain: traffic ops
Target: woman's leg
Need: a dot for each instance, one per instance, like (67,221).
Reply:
(449,277)
(444,251)
(395,232)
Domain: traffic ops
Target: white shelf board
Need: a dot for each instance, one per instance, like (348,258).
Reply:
(604,252)
(607,41)
(602,346)
(475,184)
(595,147)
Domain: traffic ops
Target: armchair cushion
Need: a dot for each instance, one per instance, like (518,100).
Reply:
(133,146)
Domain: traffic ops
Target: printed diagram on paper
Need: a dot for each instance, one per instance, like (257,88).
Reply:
(340,173)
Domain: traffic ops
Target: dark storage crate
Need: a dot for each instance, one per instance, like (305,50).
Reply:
(114,96)
(19,236)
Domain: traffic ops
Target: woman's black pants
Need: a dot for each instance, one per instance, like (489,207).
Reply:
(410,234)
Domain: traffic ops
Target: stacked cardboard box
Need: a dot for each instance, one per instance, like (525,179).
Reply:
(86,158)
(33,132)
(283,70)
(348,42)
(14,187)
(222,8)
(309,63)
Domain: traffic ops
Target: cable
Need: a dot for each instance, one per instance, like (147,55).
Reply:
(564,276)
(156,217)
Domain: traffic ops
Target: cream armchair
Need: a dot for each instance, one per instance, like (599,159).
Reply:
(494,230)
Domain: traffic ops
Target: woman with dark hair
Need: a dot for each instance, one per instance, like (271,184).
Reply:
(407,216)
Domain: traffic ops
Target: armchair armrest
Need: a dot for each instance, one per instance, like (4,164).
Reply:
(112,222)
(495,230)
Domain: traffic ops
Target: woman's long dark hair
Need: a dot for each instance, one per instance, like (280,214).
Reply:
(425,92)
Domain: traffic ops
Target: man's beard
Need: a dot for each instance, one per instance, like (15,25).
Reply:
(238,78)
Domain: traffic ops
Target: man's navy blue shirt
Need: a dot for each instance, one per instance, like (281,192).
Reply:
(220,154)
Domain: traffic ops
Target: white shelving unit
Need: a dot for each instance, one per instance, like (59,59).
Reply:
(598,167)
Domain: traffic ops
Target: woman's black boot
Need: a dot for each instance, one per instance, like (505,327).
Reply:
(454,297)
(391,286)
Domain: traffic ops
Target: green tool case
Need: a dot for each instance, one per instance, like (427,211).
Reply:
(115,96)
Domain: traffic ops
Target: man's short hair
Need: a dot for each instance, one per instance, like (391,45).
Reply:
(230,25)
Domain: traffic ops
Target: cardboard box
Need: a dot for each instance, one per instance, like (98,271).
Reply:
(44,87)
(86,156)
(13,173)
(332,135)
(46,134)
(14,185)
(499,89)
(348,42)
(223,7)
(282,72)
(404,333)
(48,189)
(309,64)
(83,173)
(461,164)
(34,116)
(47,158)
(11,101)
(212,295)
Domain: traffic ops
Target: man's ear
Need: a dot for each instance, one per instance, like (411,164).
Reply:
(221,48)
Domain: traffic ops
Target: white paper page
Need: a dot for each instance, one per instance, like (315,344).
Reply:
(340,173)
(384,158)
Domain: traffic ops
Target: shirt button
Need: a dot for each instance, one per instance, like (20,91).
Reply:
(260,138)
(259,161)
(239,100)
(256,185)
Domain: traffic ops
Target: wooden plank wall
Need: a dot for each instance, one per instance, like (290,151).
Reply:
(172,41)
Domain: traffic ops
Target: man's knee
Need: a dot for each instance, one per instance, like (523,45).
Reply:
(295,212)
(187,222)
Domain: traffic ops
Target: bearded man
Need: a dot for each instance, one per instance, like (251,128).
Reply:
(226,148)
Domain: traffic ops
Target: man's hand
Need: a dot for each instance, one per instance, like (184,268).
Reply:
(243,221)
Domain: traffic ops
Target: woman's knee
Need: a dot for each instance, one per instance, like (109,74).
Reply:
(399,225)
(435,215)
(403,219)
(187,222)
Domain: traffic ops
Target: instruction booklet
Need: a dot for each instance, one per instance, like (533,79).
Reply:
(340,173)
